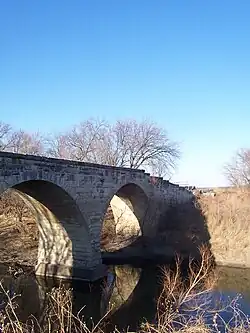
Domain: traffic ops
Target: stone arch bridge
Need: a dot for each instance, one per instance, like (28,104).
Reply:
(70,200)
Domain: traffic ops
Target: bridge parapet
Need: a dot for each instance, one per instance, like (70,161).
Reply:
(72,198)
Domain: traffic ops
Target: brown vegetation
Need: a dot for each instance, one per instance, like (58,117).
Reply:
(126,143)
(182,230)
(19,233)
(184,306)
(238,170)
(18,230)
(223,221)
(20,141)
(183,294)
(227,216)
(113,240)
(108,230)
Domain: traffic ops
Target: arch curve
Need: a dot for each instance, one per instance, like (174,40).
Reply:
(126,210)
(64,240)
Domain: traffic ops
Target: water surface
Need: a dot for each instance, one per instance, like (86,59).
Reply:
(128,293)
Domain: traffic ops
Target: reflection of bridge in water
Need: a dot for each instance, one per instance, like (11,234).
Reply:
(69,201)
(134,296)
(118,286)
(128,294)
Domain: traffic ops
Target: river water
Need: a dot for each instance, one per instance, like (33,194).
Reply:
(129,293)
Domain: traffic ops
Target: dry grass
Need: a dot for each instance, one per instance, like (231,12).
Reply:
(58,316)
(111,240)
(182,230)
(183,306)
(186,303)
(108,236)
(227,215)
(18,230)
(228,220)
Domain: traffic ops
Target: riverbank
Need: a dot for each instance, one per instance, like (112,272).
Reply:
(221,221)
(183,305)
(227,217)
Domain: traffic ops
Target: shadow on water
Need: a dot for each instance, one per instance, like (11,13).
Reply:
(128,294)
(181,229)
(228,302)
(233,282)
(141,302)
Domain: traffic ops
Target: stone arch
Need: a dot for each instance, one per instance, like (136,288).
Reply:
(128,205)
(64,240)
(118,287)
(140,287)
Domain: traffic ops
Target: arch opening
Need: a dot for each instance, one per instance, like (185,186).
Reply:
(118,287)
(124,220)
(55,223)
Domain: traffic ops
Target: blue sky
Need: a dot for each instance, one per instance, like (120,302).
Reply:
(183,64)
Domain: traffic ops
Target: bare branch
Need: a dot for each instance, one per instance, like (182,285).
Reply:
(58,146)
(5,133)
(79,143)
(238,170)
(25,143)
(141,145)
(127,143)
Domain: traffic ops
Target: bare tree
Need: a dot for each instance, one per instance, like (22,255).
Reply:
(80,143)
(58,146)
(238,170)
(5,136)
(126,143)
(25,143)
(114,147)
(20,141)
(139,145)
(12,206)
(84,138)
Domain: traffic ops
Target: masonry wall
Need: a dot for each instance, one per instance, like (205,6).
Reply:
(91,187)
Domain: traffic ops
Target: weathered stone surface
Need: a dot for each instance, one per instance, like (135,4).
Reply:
(70,200)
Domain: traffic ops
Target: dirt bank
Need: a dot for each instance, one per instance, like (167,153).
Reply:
(228,221)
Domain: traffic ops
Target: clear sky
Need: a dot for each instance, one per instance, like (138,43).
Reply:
(184,64)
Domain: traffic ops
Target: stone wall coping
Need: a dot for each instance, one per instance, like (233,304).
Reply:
(65,161)
(174,185)
(38,158)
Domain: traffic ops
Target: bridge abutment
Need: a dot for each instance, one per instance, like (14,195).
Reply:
(70,199)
